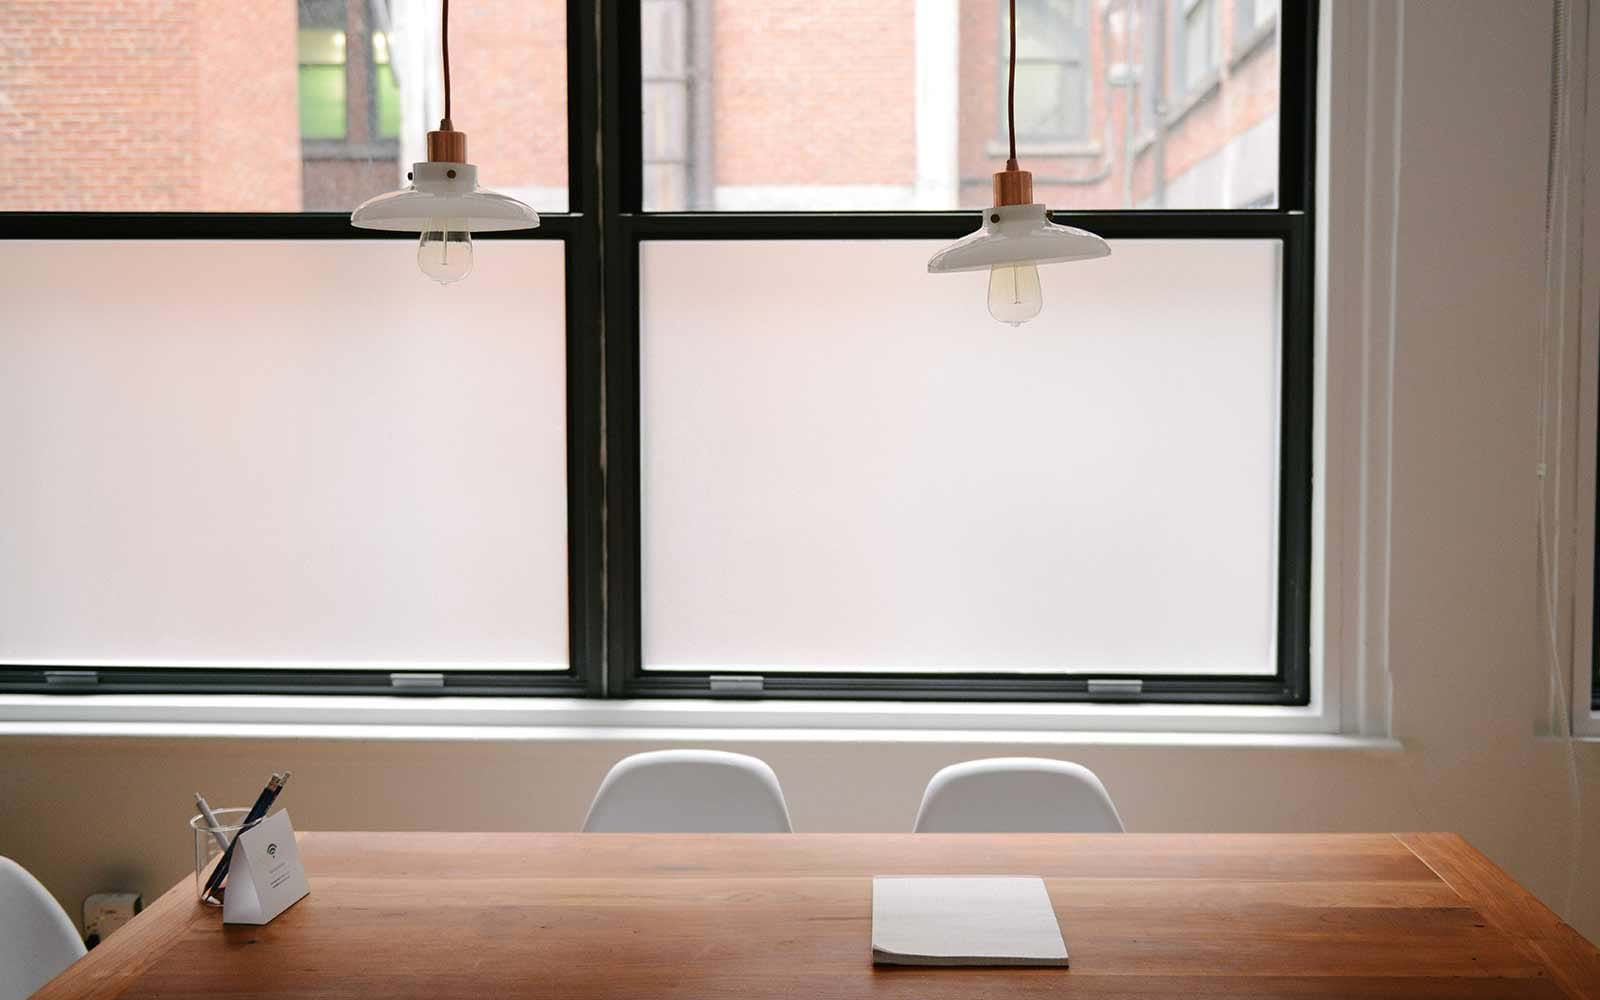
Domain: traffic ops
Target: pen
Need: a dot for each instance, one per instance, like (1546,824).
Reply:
(283,779)
(211,820)
(262,804)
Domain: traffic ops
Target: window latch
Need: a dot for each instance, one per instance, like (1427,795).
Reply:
(736,684)
(1122,686)
(72,678)
(416,680)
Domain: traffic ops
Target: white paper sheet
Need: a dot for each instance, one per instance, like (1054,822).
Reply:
(964,920)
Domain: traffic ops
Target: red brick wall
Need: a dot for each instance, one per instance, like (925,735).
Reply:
(191,104)
(1248,95)
(815,92)
(148,105)
(983,125)
(508,68)
(248,150)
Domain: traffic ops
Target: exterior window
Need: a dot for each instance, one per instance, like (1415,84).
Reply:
(1052,71)
(1198,45)
(362,490)
(1252,16)
(351,115)
(322,89)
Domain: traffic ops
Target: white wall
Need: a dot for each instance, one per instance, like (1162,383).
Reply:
(1470,692)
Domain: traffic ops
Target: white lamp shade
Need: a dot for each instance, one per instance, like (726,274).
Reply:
(1017,234)
(436,194)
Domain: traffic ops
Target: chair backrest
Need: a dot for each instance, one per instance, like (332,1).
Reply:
(1017,795)
(689,791)
(37,939)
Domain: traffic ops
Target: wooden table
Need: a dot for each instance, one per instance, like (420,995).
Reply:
(750,917)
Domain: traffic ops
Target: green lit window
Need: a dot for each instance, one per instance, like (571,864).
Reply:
(322,93)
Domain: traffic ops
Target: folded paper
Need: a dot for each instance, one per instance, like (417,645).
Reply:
(265,877)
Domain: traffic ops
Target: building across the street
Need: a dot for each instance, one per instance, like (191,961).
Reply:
(251,105)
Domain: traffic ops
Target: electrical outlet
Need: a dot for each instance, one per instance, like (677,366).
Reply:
(104,912)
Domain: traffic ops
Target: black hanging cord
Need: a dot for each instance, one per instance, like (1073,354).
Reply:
(444,19)
(1010,87)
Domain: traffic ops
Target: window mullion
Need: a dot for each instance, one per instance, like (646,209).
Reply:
(618,131)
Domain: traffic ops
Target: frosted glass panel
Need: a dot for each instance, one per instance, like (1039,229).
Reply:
(281,454)
(847,465)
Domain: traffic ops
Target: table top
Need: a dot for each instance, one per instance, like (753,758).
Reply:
(702,917)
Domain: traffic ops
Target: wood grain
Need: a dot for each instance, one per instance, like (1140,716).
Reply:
(710,917)
(1573,960)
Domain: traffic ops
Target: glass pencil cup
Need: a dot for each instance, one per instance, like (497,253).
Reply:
(208,851)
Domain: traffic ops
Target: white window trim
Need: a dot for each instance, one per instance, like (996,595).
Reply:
(1360,97)
(664,721)
(1358,150)
(938,69)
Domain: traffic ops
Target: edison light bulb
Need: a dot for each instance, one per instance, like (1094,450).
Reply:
(1014,293)
(445,251)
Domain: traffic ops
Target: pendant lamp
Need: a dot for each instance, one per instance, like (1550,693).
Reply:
(443,201)
(1017,235)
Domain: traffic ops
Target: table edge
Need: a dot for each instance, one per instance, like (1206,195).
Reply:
(106,971)
(1573,960)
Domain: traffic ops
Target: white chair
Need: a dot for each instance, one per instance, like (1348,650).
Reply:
(689,791)
(37,939)
(1017,795)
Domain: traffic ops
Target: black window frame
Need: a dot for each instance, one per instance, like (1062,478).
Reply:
(605,222)
(578,230)
(626,226)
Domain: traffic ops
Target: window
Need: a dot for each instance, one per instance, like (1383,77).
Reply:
(1198,43)
(351,103)
(322,91)
(262,476)
(849,494)
(1052,72)
(932,496)
(805,469)
(314,481)
(1252,18)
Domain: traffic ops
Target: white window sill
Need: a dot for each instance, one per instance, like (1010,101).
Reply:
(510,719)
